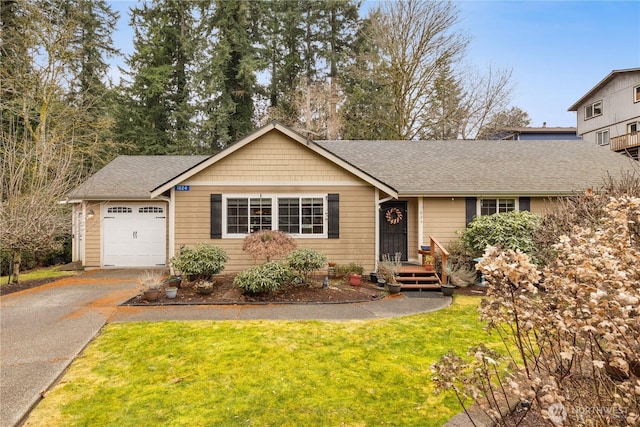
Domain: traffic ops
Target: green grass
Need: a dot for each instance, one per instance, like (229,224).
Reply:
(40,273)
(264,373)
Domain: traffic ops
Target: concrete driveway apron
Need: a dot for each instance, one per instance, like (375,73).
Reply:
(43,329)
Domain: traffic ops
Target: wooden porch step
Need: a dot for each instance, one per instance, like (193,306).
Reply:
(421,286)
(416,277)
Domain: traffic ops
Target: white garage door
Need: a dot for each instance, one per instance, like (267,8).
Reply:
(134,235)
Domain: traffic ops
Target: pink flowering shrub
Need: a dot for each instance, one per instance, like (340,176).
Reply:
(571,332)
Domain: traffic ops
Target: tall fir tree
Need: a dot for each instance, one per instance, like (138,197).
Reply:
(155,114)
(90,88)
(367,108)
(230,77)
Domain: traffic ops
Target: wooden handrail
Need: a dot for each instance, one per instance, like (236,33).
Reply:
(444,254)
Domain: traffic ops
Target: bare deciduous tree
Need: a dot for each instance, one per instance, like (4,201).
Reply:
(38,129)
(416,39)
(433,95)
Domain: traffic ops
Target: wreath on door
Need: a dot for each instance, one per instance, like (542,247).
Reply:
(393,216)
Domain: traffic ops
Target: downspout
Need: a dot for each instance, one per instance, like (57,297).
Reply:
(172,224)
(420,221)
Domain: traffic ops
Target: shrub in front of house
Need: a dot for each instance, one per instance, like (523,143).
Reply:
(201,261)
(306,261)
(266,277)
(346,269)
(508,230)
(268,244)
(570,331)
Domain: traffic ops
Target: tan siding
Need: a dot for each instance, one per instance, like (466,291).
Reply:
(92,236)
(356,242)
(540,205)
(443,218)
(273,158)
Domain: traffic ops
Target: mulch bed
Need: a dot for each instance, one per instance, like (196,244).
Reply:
(9,288)
(338,291)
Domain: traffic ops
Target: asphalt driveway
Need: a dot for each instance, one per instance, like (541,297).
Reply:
(43,329)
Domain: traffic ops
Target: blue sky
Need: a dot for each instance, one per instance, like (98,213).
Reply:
(557,50)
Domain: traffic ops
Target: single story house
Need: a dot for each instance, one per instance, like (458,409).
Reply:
(351,200)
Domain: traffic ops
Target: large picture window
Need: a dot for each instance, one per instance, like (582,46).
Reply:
(492,206)
(306,215)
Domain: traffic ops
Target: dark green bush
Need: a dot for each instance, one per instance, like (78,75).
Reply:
(509,230)
(202,261)
(306,261)
(266,277)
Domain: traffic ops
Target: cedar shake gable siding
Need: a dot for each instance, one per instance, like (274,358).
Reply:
(273,165)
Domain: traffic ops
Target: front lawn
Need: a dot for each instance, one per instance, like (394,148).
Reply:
(264,373)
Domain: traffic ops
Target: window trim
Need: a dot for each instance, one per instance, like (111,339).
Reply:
(601,132)
(275,197)
(637,123)
(592,107)
(636,94)
(516,203)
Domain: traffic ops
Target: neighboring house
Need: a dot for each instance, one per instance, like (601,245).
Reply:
(543,133)
(351,200)
(609,114)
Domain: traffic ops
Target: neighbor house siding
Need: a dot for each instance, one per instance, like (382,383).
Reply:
(92,236)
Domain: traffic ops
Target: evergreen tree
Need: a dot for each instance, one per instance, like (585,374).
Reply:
(368,110)
(230,76)
(92,46)
(155,115)
(446,112)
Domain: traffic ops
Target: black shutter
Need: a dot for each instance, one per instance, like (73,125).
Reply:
(470,209)
(334,216)
(525,203)
(216,216)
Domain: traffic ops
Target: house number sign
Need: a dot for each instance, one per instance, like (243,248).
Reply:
(182,188)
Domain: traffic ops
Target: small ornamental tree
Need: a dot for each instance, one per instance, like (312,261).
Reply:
(508,230)
(306,261)
(574,329)
(268,244)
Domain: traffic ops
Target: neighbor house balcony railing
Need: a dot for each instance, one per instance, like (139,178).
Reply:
(623,142)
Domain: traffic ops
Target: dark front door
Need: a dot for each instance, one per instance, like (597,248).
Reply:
(393,229)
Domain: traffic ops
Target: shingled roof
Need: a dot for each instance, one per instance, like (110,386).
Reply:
(432,168)
(133,177)
(412,168)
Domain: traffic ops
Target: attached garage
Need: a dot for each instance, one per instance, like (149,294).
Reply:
(135,235)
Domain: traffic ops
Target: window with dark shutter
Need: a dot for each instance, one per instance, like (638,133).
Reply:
(333,202)
(470,209)
(216,216)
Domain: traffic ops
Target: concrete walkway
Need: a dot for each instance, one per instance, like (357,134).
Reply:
(43,329)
